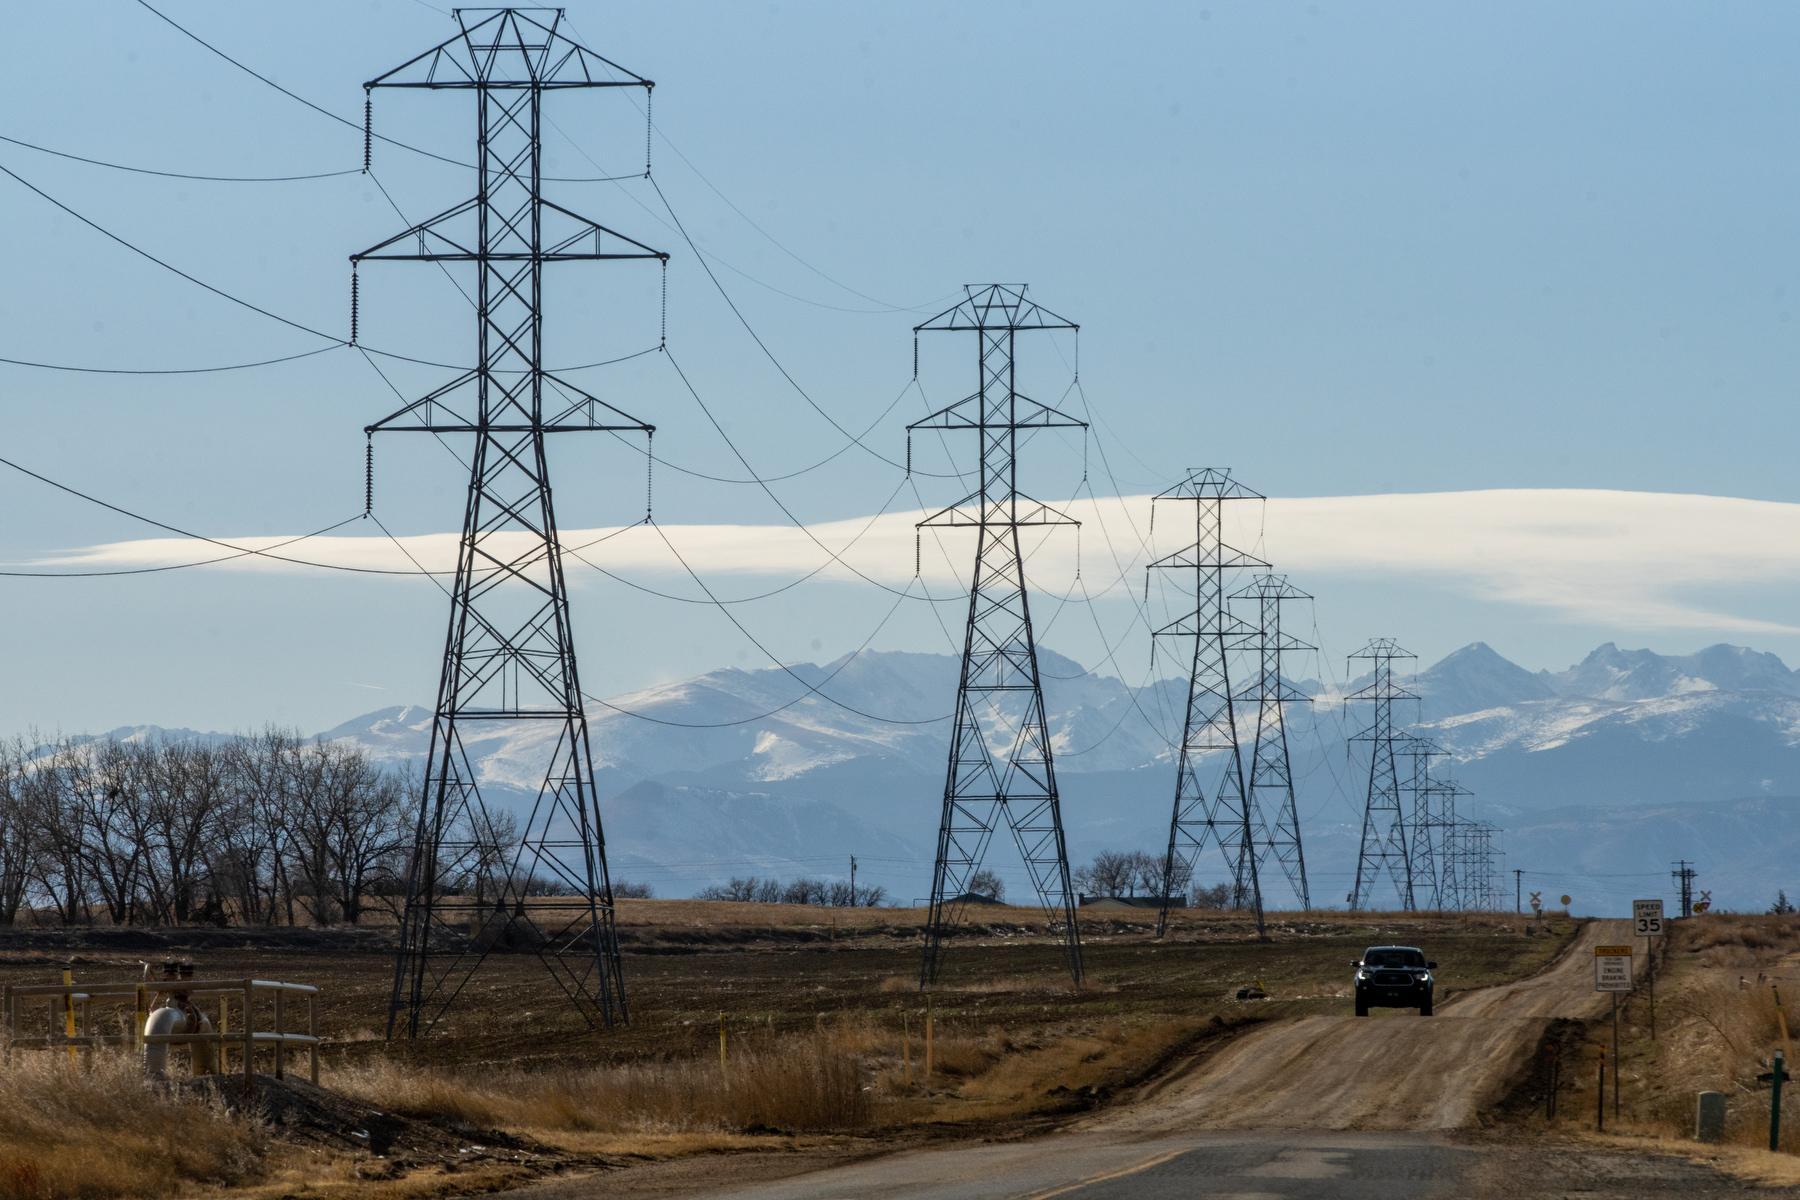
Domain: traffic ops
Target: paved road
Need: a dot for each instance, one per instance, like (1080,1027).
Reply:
(1249,1166)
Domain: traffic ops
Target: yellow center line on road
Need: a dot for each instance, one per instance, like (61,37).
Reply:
(1108,1176)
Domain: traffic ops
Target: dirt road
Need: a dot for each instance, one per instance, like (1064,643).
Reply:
(1393,1071)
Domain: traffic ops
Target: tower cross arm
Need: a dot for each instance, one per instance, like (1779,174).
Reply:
(996,306)
(581,411)
(967,414)
(508,48)
(442,239)
(1015,508)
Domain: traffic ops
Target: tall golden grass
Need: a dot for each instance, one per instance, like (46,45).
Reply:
(98,1129)
(792,1085)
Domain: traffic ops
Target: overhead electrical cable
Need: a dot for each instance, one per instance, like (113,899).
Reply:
(98,162)
(114,573)
(785,669)
(243,366)
(763,346)
(320,109)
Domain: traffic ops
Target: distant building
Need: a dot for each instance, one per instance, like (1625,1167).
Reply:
(1104,902)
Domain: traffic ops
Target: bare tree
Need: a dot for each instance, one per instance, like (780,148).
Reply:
(986,883)
(18,833)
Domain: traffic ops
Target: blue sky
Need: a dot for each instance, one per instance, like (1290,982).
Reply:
(1347,250)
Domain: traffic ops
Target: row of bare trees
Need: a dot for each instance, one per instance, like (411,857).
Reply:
(263,829)
(1131,873)
(835,893)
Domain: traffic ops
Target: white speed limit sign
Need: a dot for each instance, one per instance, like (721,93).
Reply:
(1648,914)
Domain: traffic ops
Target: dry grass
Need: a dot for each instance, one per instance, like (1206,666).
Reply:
(100,1130)
(790,1085)
(1717,1027)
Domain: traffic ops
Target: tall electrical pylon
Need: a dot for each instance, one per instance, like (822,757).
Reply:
(1271,774)
(1383,848)
(1001,766)
(1424,841)
(1206,813)
(474,885)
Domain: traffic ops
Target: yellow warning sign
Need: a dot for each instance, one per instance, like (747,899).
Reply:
(1612,951)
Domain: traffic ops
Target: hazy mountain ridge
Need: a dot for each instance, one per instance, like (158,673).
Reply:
(1607,764)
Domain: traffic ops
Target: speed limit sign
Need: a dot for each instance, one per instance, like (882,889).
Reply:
(1648,915)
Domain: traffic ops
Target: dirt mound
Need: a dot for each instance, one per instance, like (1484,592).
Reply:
(302,1114)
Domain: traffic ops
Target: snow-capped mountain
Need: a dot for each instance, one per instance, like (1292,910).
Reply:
(1625,760)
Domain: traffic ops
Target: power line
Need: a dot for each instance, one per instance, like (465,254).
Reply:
(326,112)
(100,162)
(243,366)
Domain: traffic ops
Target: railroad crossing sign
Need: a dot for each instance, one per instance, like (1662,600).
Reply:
(1612,968)
(1537,904)
(1704,902)
(1648,914)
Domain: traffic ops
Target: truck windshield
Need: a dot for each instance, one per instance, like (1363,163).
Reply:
(1394,958)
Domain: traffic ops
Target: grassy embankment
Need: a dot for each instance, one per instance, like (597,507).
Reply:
(1716,1029)
(824,1029)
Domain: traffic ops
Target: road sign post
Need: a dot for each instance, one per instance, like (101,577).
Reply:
(1612,973)
(1775,1078)
(1647,916)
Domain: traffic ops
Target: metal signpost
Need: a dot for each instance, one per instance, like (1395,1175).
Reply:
(1612,973)
(1647,916)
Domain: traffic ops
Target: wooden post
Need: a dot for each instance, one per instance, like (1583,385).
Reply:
(928,1046)
(249,1041)
(223,1029)
(721,1045)
(280,1028)
(906,1047)
(68,978)
(140,1015)
(312,1029)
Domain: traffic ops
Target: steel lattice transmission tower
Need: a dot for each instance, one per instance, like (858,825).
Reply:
(1383,848)
(473,884)
(1001,766)
(1425,836)
(1271,787)
(1205,813)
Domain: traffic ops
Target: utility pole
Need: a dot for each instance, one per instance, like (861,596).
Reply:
(1518,891)
(1001,766)
(1683,874)
(509,654)
(1271,774)
(1205,814)
(853,881)
(1383,848)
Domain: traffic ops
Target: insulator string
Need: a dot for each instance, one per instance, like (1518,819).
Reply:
(368,129)
(1078,553)
(915,357)
(354,304)
(909,454)
(369,475)
(649,98)
(649,474)
(917,553)
(663,337)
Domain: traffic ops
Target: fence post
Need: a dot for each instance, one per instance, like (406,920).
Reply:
(721,1044)
(249,1040)
(928,1047)
(68,978)
(1600,1097)
(280,1028)
(312,1030)
(1776,1077)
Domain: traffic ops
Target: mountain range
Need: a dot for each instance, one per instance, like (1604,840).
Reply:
(1600,774)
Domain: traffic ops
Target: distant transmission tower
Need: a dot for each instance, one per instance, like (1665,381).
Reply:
(1204,812)
(476,882)
(1271,775)
(1424,842)
(1384,830)
(1000,760)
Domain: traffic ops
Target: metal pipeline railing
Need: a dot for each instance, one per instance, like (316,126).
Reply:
(75,1010)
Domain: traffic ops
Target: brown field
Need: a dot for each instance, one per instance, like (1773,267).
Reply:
(823,1028)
